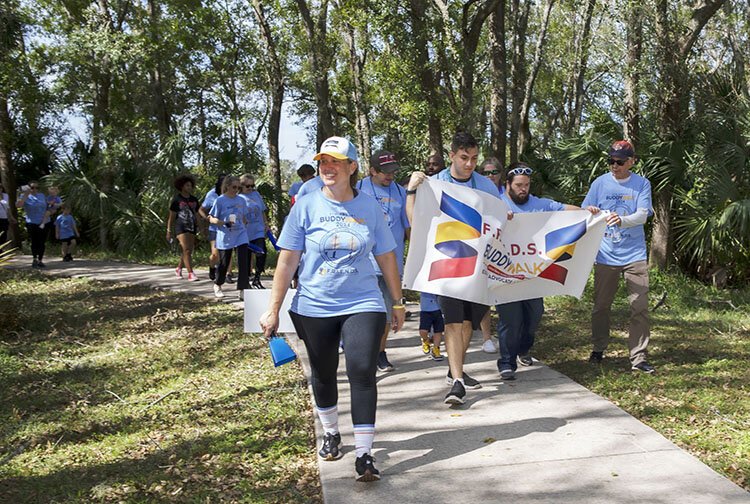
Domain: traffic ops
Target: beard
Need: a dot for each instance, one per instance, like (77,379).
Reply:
(518,200)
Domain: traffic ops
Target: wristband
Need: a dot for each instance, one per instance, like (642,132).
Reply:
(411,191)
(398,307)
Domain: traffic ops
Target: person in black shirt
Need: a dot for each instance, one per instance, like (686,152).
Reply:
(183,215)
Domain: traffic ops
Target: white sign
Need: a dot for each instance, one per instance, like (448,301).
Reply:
(256,304)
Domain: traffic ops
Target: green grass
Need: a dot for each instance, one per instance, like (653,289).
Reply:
(118,393)
(700,395)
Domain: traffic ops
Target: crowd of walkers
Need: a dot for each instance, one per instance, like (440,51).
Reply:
(342,247)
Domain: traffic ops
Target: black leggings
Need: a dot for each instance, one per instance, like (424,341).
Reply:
(260,259)
(361,333)
(38,236)
(225,257)
(4,224)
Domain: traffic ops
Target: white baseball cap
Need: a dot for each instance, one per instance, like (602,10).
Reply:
(339,148)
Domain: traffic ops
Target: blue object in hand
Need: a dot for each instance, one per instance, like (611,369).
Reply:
(272,239)
(255,249)
(281,352)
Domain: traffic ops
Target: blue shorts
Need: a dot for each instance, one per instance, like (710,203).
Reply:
(212,235)
(431,320)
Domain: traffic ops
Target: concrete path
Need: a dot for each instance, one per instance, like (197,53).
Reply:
(540,439)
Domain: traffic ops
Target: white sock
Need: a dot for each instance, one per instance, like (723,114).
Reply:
(329,417)
(364,434)
(459,380)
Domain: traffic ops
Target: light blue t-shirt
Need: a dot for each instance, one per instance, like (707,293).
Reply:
(65,225)
(208,202)
(35,206)
(256,227)
(476,181)
(534,204)
(295,188)
(336,276)
(311,185)
(53,205)
(230,237)
(624,198)
(428,302)
(392,200)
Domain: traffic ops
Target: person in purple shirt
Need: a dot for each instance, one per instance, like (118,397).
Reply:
(34,203)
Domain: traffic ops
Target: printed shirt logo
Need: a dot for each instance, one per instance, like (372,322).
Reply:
(467,225)
(560,245)
(341,247)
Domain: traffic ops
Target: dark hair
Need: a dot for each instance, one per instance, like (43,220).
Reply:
(305,169)
(463,140)
(510,176)
(181,180)
(219,181)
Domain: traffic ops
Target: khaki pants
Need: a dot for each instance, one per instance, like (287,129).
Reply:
(606,282)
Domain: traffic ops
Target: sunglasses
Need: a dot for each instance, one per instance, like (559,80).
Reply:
(618,162)
(491,172)
(249,185)
(521,170)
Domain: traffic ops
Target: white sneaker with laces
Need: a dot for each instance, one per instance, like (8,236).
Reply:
(489,346)
(218,292)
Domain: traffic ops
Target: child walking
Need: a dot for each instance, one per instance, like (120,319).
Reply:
(431,318)
(66,232)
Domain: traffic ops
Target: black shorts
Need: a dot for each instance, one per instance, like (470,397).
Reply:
(431,320)
(456,311)
(180,228)
(67,240)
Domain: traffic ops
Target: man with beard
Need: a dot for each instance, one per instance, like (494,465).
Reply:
(519,320)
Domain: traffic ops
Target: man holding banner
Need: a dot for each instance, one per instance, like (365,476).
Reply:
(461,317)
(518,320)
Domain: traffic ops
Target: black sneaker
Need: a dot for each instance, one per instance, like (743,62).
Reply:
(384,365)
(456,395)
(596,357)
(257,284)
(331,449)
(40,264)
(230,278)
(365,468)
(644,367)
(469,382)
(525,360)
(34,263)
(212,273)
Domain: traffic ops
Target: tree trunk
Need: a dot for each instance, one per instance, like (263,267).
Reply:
(426,76)
(520,19)
(582,64)
(362,121)
(159,102)
(524,131)
(316,32)
(7,173)
(499,89)
(632,115)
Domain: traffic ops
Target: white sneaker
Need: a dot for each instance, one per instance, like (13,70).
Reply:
(489,346)
(218,292)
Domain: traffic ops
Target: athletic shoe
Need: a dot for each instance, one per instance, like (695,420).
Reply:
(525,360)
(435,354)
(365,468)
(257,284)
(34,263)
(218,292)
(426,347)
(212,273)
(507,373)
(384,366)
(469,382)
(456,395)
(489,346)
(40,264)
(596,357)
(192,277)
(331,449)
(644,367)
(178,272)
(230,278)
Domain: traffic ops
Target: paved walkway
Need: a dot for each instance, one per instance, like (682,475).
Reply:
(540,439)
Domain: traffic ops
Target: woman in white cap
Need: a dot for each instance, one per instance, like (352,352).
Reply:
(337,227)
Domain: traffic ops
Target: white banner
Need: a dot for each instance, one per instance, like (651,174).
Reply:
(462,246)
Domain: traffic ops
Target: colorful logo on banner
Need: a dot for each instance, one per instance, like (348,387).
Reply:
(450,237)
(560,245)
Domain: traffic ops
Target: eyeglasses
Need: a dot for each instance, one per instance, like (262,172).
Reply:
(618,162)
(491,172)
(521,170)
(249,185)
(233,186)
(33,187)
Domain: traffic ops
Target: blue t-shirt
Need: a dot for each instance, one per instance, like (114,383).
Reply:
(53,205)
(65,225)
(35,206)
(624,198)
(311,185)
(230,237)
(534,204)
(476,181)
(392,200)
(256,227)
(208,202)
(336,276)
(428,302)
(295,188)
